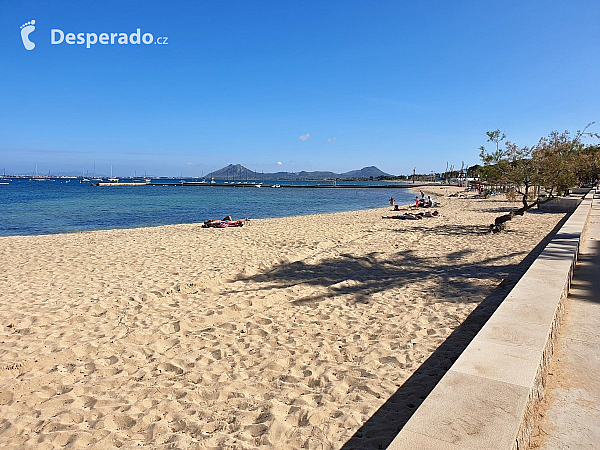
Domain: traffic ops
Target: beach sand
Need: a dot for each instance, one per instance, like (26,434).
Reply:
(285,333)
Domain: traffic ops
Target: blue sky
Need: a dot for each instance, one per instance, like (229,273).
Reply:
(388,83)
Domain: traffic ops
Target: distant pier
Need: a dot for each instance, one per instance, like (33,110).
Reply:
(266,186)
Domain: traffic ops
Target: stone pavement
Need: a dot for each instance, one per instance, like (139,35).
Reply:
(570,413)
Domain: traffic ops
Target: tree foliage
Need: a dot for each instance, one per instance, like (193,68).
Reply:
(474,171)
(539,173)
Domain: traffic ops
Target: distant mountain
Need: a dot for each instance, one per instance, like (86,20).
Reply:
(235,172)
(365,172)
(239,172)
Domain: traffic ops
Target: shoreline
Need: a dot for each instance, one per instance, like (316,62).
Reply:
(280,333)
(187,224)
(223,211)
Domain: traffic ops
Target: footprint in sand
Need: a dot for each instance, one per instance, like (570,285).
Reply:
(26,30)
(120,422)
(168,367)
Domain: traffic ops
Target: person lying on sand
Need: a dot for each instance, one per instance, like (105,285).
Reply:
(401,216)
(217,221)
(405,216)
(225,223)
(413,207)
(411,216)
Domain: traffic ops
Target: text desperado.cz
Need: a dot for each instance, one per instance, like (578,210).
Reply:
(58,36)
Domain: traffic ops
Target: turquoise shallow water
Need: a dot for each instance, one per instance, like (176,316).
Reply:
(47,207)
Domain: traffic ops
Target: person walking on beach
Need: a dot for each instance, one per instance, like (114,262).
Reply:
(392,201)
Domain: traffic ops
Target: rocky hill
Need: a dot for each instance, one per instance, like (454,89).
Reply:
(240,173)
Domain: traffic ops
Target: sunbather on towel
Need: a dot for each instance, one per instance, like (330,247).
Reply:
(411,216)
(225,223)
(406,216)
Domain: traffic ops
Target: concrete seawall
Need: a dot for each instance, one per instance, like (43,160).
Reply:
(488,397)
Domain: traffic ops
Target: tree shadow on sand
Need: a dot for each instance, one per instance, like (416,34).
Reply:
(363,276)
(446,229)
(371,274)
(507,209)
(383,426)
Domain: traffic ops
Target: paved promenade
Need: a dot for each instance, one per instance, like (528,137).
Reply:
(570,412)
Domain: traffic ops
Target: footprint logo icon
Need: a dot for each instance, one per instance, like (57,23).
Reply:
(26,30)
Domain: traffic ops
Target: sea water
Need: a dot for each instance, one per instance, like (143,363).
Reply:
(57,206)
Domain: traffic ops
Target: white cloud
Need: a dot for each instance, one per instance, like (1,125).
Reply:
(279,163)
(330,140)
(305,137)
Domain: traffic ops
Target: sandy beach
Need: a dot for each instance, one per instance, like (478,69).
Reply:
(285,333)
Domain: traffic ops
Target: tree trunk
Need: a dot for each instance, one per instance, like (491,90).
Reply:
(500,222)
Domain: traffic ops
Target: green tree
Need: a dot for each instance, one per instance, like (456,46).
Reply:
(588,168)
(473,171)
(537,174)
(497,137)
